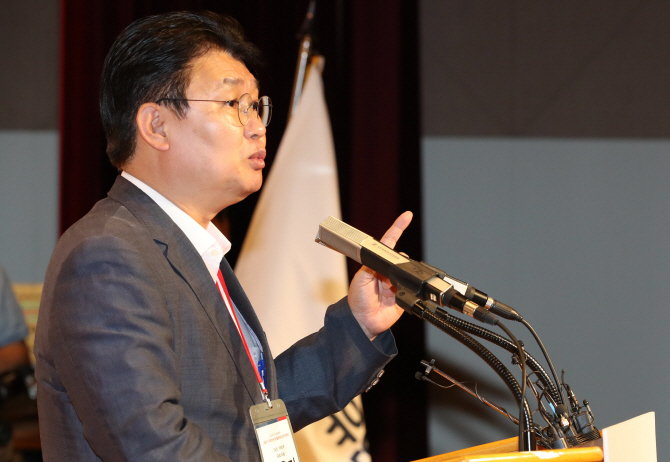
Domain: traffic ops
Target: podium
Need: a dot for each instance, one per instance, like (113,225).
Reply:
(506,451)
(632,440)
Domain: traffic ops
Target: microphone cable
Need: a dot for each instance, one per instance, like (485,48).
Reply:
(502,342)
(561,397)
(527,441)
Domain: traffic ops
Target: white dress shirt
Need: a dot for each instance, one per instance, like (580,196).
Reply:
(210,244)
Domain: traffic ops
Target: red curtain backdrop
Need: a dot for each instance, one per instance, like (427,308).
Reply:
(384,180)
(372,89)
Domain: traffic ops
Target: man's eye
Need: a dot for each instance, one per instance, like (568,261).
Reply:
(232,103)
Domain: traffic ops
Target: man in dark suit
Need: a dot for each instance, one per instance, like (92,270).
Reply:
(139,350)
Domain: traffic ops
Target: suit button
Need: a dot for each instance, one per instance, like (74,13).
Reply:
(375,381)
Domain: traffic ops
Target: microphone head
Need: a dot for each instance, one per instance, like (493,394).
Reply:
(341,237)
(419,376)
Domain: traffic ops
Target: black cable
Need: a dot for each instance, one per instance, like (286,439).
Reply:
(525,443)
(546,357)
(502,342)
(527,435)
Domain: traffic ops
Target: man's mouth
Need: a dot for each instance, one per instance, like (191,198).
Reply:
(258,159)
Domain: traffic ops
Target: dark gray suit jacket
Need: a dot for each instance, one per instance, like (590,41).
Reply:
(137,357)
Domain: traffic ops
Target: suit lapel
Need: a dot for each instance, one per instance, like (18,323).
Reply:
(186,262)
(210,299)
(244,306)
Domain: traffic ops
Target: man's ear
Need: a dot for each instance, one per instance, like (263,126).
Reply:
(151,125)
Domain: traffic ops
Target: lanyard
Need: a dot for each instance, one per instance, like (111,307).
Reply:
(223,290)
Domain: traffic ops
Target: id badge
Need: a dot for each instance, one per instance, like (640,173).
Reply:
(274,432)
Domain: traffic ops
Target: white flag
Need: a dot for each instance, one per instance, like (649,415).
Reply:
(289,279)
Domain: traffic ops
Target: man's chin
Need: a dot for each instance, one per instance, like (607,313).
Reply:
(257,185)
(250,189)
(241,192)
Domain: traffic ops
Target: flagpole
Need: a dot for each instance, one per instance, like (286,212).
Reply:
(304,268)
(304,51)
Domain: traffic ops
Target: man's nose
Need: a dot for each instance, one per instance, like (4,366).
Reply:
(254,129)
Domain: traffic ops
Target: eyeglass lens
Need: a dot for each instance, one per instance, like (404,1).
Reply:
(247,107)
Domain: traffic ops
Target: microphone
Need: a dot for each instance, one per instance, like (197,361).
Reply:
(423,281)
(479,297)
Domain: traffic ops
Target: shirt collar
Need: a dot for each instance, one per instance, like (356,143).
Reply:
(201,238)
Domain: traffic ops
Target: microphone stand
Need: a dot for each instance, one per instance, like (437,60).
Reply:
(527,440)
(430,367)
(566,429)
(502,342)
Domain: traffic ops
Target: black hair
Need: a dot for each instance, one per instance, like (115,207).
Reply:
(151,60)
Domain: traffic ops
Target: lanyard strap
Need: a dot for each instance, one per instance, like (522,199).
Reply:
(223,290)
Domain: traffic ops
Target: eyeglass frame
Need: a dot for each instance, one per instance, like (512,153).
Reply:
(239,115)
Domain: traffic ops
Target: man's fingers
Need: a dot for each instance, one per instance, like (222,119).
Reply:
(395,231)
(375,275)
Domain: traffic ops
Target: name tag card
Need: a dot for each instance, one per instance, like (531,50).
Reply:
(274,432)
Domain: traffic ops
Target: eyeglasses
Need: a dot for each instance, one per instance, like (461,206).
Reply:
(246,107)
